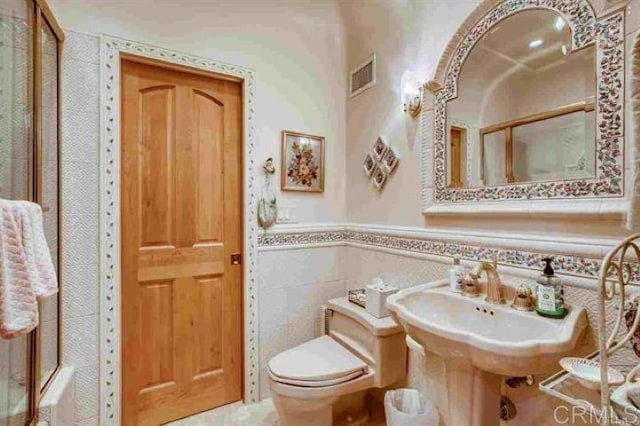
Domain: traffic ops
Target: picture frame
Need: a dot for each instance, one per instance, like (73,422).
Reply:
(302,162)
(369,164)
(379,149)
(389,160)
(379,178)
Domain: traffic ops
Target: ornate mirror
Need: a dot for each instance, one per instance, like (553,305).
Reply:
(529,105)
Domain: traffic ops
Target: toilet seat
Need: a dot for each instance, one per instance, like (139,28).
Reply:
(317,363)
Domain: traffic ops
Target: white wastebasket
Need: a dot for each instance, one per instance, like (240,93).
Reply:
(407,407)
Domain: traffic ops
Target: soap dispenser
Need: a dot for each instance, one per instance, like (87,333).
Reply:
(550,293)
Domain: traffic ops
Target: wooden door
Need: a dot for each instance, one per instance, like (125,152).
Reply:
(456,158)
(181,210)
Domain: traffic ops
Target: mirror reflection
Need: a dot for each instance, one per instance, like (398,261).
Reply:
(525,106)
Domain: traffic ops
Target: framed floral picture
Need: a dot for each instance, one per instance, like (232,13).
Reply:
(302,162)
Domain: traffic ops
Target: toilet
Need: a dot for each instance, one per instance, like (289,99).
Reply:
(325,380)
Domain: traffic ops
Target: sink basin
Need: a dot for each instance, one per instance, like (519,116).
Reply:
(481,342)
(495,338)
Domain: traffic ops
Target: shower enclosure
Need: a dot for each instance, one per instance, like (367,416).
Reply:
(30,48)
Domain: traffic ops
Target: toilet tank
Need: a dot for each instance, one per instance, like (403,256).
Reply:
(379,342)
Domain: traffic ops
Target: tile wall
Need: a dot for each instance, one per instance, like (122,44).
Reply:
(293,282)
(80,224)
(293,285)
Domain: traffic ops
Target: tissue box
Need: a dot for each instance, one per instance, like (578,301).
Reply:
(377,299)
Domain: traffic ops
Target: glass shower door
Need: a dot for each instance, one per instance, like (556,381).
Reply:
(16,171)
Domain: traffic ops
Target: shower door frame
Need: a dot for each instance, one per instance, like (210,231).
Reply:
(42,15)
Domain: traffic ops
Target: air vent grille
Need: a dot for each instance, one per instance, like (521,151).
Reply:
(363,77)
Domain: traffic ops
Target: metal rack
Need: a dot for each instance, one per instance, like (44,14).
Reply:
(618,287)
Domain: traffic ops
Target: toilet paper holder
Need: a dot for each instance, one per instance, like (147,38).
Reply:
(328,313)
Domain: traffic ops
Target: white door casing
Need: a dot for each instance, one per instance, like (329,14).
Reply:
(110,51)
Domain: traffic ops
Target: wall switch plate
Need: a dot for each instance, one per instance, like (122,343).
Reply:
(286,214)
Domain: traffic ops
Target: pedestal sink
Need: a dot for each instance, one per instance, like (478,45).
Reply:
(481,342)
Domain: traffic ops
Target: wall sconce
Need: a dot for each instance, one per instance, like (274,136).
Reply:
(411,93)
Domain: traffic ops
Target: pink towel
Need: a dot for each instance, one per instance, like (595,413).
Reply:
(43,273)
(26,268)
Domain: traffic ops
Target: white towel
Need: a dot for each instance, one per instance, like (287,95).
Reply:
(26,267)
(43,273)
(18,305)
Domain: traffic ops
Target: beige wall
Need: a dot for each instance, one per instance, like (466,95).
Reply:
(299,52)
(411,35)
(295,48)
(404,35)
(570,82)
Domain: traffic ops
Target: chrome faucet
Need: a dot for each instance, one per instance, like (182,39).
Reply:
(494,286)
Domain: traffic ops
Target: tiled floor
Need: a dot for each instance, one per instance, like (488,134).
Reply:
(237,414)
(262,413)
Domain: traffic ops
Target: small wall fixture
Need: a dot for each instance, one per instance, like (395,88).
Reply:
(411,93)
(380,163)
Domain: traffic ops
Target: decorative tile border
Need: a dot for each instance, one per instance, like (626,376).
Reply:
(301,238)
(608,35)
(110,50)
(571,265)
(517,258)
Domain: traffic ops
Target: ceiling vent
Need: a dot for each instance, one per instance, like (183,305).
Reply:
(363,77)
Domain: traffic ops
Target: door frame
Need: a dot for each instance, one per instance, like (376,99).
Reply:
(111,51)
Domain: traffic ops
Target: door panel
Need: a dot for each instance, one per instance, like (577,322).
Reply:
(209,116)
(209,323)
(155,307)
(456,155)
(181,209)
(156,157)
(157,105)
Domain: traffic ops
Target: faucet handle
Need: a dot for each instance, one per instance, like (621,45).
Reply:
(523,291)
(470,285)
(523,301)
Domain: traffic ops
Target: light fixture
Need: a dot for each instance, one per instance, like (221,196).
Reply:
(564,50)
(411,93)
(536,43)
(558,23)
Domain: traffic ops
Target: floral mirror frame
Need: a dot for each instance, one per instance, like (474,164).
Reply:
(607,33)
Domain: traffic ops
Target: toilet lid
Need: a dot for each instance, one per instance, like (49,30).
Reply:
(318,360)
